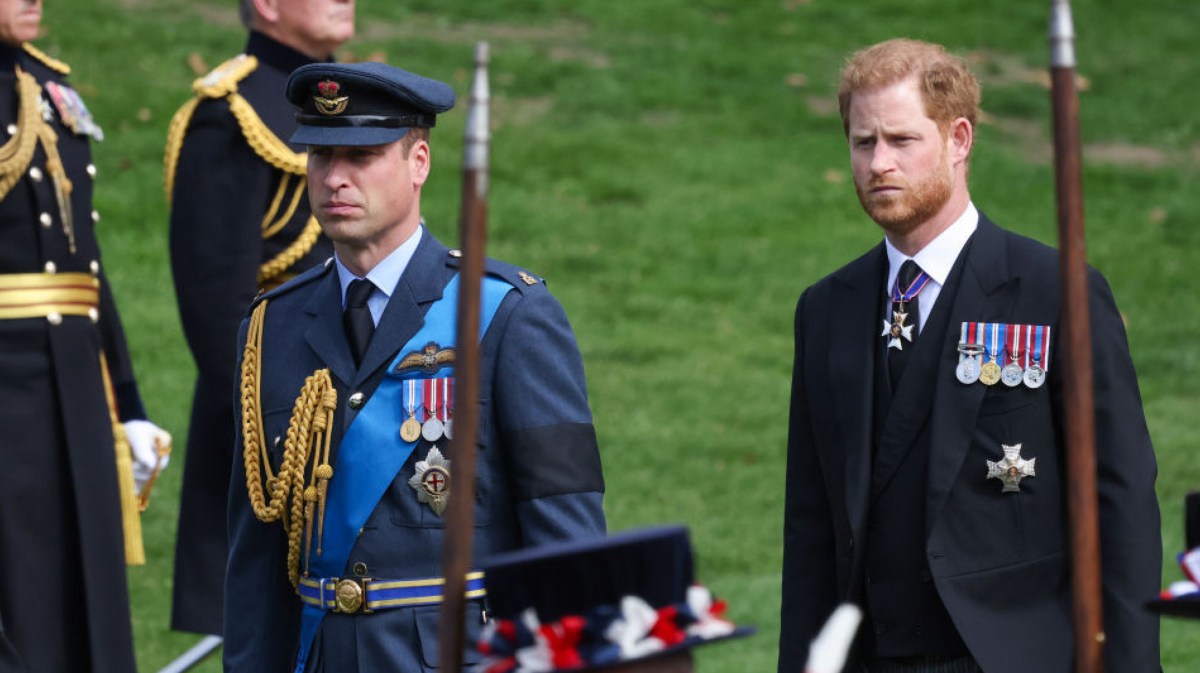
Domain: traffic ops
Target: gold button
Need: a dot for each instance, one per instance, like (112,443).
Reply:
(456,253)
(36,174)
(95,267)
(91,170)
(55,318)
(360,569)
(45,219)
(94,314)
(356,400)
(50,267)
(95,217)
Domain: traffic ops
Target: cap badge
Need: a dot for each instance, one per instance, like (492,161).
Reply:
(327,99)
(431,480)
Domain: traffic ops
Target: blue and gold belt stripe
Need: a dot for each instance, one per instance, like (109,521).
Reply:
(366,595)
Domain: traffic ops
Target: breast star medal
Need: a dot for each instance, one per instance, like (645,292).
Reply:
(1011,469)
(431,480)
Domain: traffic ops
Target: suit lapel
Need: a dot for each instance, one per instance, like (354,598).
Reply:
(325,334)
(987,292)
(851,369)
(420,285)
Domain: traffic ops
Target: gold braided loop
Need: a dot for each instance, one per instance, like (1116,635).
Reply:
(16,154)
(175,132)
(265,143)
(308,432)
(291,254)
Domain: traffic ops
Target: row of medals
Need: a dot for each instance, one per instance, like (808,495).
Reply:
(989,373)
(431,430)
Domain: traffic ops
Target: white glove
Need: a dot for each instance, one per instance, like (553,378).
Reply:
(150,446)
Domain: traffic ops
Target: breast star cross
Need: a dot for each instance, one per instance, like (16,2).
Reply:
(1012,469)
(896,329)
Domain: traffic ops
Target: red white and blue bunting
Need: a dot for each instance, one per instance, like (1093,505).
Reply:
(607,634)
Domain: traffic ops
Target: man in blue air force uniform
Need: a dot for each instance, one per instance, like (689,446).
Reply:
(347,404)
(239,222)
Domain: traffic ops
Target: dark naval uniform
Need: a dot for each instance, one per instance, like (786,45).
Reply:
(539,475)
(63,601)
(240,220)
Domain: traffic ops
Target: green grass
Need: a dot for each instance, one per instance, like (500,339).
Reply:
(676,170)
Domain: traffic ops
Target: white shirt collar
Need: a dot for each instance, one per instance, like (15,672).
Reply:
(387,272)
(937,258)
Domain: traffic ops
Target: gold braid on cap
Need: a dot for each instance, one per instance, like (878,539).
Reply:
(222,82)
(297,504)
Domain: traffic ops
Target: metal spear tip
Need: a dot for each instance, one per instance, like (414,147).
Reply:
(1062,35)
(481,54)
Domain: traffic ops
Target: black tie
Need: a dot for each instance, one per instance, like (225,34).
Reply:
(357,318)
(898,358)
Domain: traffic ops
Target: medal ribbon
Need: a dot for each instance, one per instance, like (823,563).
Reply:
(1014,343)
(447,385)
(433,393)
(371,453)
(995,340)
(913,290)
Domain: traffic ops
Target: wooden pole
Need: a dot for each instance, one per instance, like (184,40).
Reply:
(460,512)
(1075,348)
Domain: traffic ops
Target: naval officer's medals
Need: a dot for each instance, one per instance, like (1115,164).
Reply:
(989,372)
(1011,469)
(431,480)
(896,331)
(410,429)
(1013,373)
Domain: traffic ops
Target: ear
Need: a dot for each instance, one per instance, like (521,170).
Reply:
(267,10)
(959,140)
(419,163)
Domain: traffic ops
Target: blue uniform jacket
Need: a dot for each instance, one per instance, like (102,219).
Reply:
(539,476)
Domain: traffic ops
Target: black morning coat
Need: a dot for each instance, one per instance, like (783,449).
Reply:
(999,561)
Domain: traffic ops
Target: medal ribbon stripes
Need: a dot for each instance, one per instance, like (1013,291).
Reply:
(913,290)
(372,453)
(994,352)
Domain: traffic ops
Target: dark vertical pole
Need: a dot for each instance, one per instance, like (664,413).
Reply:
(1075,348)
(460,513)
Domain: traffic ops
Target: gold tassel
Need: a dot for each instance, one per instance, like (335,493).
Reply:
(131,520)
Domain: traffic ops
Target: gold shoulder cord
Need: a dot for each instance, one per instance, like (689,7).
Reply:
(222,83)
(307,436)
(47,60)
(16,154)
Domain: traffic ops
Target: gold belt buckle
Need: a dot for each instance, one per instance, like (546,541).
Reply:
(350,596)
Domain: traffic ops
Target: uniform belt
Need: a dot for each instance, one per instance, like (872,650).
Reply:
(42,295)
(365,595)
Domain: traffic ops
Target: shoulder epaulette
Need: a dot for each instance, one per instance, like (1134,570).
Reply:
(513,275)
(222,82)
(301,280)
(223,79)
(47,60)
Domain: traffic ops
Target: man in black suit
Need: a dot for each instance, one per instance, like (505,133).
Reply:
(926,470)
(240,222)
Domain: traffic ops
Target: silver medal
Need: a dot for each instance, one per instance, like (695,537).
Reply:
(1011,375)
(967,371)
(432,430)
(1035,376)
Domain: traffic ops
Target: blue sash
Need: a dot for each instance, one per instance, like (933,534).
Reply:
(372,452)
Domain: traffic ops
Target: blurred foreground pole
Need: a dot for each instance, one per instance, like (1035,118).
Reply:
(460,513)
(198,653)
(1076,347)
